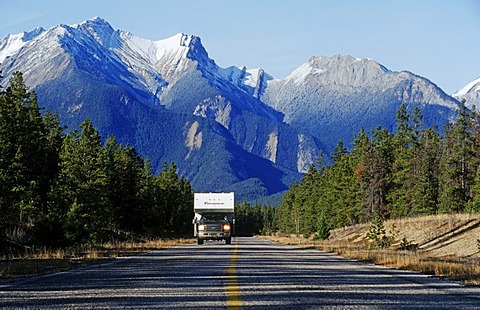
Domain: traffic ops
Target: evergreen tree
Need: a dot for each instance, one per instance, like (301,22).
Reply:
(359,157)
(474,204)
(47,230)
(425,189)
(123,168)
(343,188)
(80,200)
(172,209)
(290,213)
(147,198)
(308,196)
(377,163)
(399,196)
(24,158)
(458,164)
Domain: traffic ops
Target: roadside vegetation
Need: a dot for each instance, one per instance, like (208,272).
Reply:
(442,245)
(413,172)
(410,198)
(44,260)
(72,193)
(64,189)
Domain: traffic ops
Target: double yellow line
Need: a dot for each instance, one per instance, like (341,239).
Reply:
(232,289)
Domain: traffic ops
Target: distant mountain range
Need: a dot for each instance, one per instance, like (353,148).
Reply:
(226,129)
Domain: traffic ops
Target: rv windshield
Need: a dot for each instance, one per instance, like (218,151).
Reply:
(213,218)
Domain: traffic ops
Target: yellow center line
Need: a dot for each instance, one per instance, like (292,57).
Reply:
(232,290)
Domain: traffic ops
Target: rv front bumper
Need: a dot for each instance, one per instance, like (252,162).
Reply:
(206,235)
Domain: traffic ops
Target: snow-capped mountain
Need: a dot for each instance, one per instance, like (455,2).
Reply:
(334,97)
(470,93)
(225,128)
(159,97)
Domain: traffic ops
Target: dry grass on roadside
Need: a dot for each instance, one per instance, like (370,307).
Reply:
(121,248)
(455,268)
(44,260)
(465,270)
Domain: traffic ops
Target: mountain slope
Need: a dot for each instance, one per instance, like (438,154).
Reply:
(334,97)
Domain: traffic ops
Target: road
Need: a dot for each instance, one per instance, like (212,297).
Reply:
(251,273)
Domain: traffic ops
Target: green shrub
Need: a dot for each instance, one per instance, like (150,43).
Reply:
(323,229)
(378,235)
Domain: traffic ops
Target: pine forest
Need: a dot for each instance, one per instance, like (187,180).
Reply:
(61,188)
(413,172)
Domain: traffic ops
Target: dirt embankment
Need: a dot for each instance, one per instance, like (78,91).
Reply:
(436,235)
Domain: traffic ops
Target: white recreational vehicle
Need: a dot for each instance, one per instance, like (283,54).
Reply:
(214,216)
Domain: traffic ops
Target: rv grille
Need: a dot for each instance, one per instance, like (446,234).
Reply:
(214,227)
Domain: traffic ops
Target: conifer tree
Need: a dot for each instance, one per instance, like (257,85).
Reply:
(147,198)
(399,196)
(377,163)
(474,204)
(425,191)
(23,158)
(457,163)
(290,212)
(123,168)
(80,192)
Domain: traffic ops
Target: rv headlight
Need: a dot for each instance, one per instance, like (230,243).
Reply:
(202,227)
(226,227)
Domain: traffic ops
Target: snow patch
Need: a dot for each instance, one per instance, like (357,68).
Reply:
(11,44)
(252,77)
(473,86)
(177,46)
(301,73)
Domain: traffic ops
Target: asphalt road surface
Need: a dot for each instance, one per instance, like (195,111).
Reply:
(251,273)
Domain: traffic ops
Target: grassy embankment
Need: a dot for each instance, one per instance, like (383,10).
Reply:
(42,261)
(446,245)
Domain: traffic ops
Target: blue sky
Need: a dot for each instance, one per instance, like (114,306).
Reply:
(437,39)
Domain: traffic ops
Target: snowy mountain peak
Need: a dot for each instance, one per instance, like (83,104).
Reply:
(30,35)
(348,64)
(97,27)
(473,86)
(338,70)
(178,46)
(97,20)
(470,93)
(178,42)
(11,44)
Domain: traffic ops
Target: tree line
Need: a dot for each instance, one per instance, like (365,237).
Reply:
(60,189)
(414,171)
